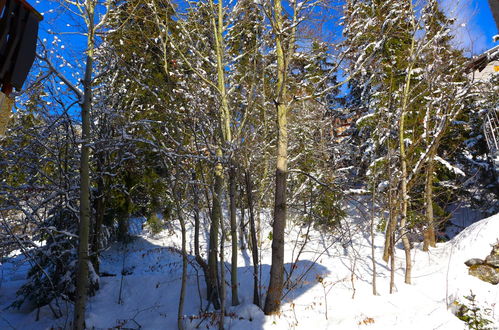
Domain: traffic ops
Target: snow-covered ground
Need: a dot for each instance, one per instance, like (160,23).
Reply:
(331,284)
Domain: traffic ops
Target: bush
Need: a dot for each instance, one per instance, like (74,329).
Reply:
(154,223)
(53,273)
(472,314)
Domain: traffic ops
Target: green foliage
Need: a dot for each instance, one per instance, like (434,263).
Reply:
(415,219)
(327,211)
(155,223)
(381,226)
(473,315)
(53,273)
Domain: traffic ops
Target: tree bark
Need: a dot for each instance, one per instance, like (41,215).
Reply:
(222,277)
(99,219)
(274,292)
(199,259)
(84,225)
(216,214)
(233,233)
(184,265)
(429,235)
(254,241)
(243,235)
(373,255)
(404,194)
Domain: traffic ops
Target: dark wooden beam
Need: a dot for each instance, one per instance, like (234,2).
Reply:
(494,7)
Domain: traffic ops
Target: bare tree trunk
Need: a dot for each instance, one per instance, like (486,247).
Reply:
(254,241)
(243,235)
(403,167)
(390,240)
(274,292)
(180,314)
(405,201)
(233,233)
(200,261)
(222,277)
(216,215)
(373,255)
(226,137)
(84,225)
(197,254)
(99,219)
(392,264)
(125,212)
(429,235)
(389,250)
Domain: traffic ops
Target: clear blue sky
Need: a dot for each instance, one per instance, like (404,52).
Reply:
(485,20)
(479,26)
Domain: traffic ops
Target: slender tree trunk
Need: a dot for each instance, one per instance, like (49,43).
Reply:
(389,233)
(125,214)
(429,235)
(392,264)
(405,201)
(391,242)
(99,219)
(84,225)
(254,241)
(222,277)
(216,215)
(404,194)
(243,239)
(373,255)
(403,165)
(199,259)
(274,292)
(233,233)
(180,314)
(196,215)
(389,250)
(226,137)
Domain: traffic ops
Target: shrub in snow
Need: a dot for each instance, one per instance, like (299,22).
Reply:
(472,315)
(53,271)
(154,223)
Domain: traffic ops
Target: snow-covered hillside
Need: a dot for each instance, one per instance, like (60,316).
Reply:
(330,286)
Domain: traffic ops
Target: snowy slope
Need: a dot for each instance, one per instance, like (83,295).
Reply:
(339,283)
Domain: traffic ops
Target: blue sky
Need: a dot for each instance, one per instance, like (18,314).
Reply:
(474,29)
(475,24)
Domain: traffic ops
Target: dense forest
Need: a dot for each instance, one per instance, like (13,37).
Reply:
(225,126)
